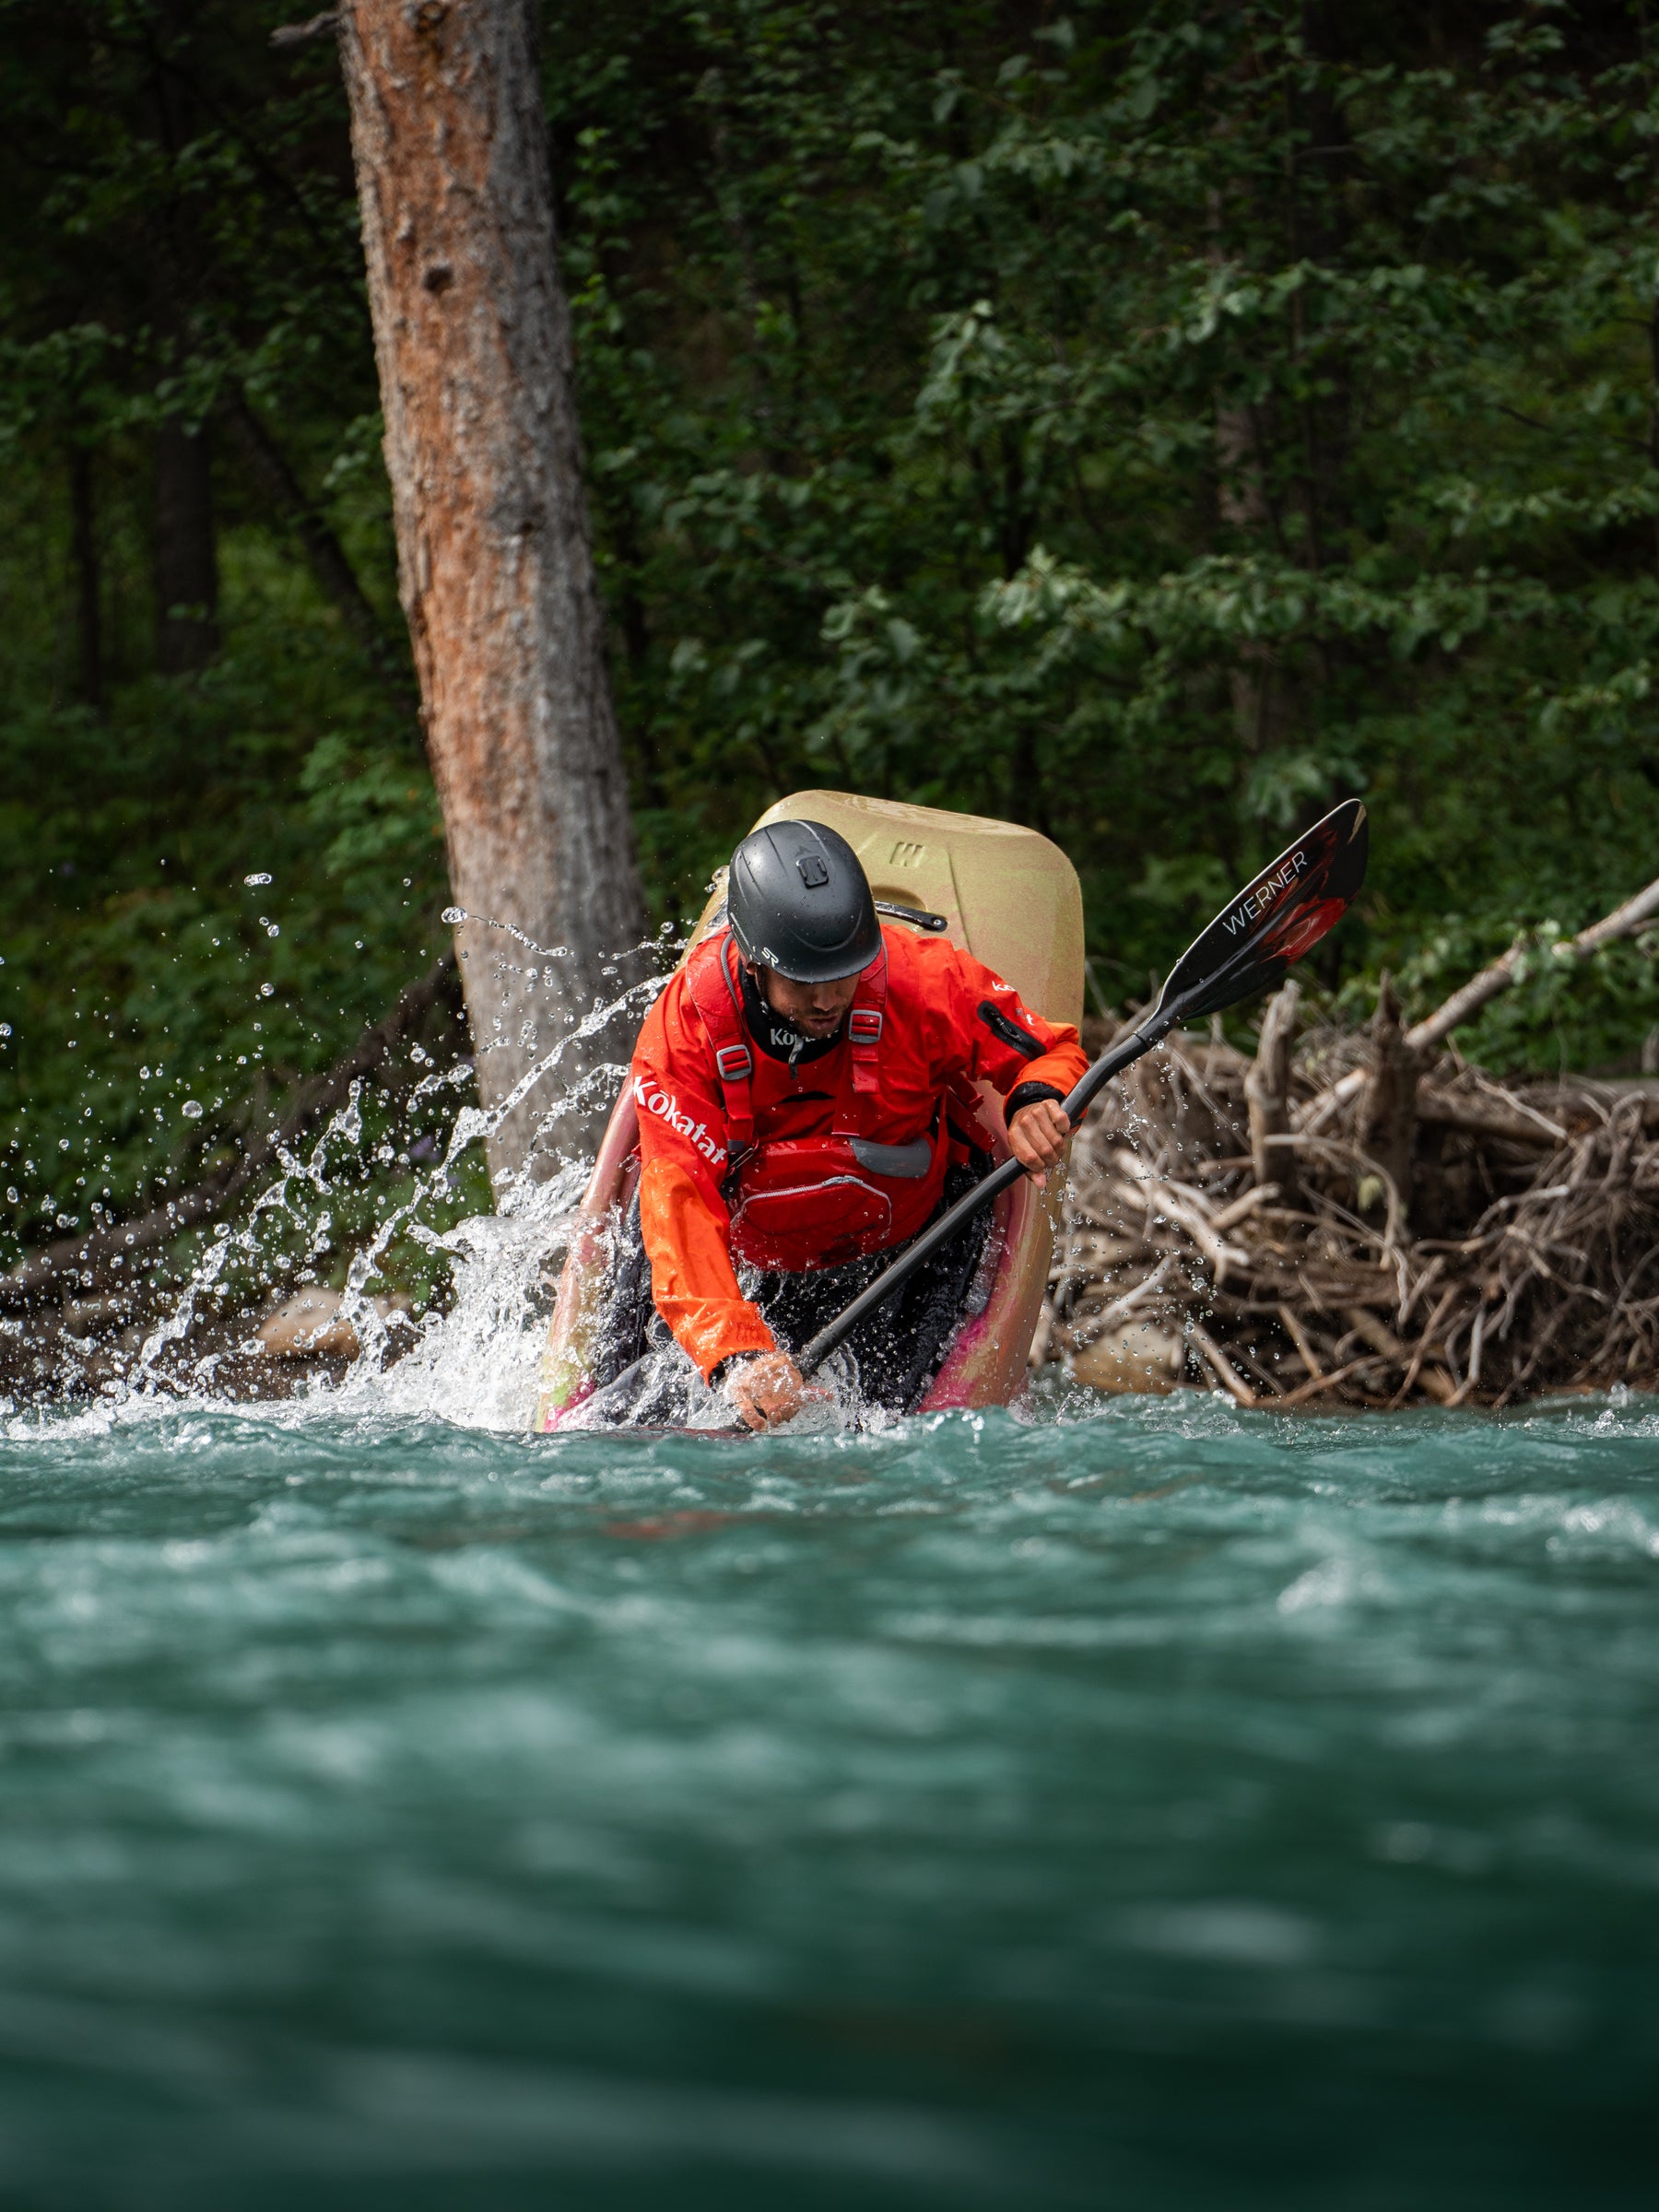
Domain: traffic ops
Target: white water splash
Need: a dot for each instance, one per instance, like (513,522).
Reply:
(473,1358)
(479,1364)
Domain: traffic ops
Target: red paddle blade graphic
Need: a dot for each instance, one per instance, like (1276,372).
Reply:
(1285,911)
(1295,934)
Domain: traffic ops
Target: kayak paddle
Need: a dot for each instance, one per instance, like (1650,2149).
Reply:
(1280,915)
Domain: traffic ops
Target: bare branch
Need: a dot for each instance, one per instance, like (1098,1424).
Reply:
(1480,990)
(320,26)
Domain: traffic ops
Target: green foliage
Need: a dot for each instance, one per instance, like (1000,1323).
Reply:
(1155,426)
(143,973)
(1152,423)
(184,243)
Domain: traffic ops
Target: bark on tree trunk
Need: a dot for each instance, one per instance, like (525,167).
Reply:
(495,569)
(185,555)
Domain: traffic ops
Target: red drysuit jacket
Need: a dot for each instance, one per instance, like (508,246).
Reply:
(947,1018)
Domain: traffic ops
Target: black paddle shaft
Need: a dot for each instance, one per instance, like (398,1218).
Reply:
(1281,914)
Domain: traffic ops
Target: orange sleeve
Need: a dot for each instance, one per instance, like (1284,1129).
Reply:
(993,1036)
(693,1283)
(1064,1064)
(683,1217)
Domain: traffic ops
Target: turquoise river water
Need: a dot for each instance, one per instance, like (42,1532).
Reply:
(1138,1805)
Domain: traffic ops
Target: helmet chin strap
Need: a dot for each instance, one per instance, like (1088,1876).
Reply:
(760,973)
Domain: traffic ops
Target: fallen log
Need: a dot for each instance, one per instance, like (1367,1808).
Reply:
(1623,922)
(1480,990)
(1558,1098)
(1489,1115)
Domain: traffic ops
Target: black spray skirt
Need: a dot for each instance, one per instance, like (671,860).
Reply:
(644,1380)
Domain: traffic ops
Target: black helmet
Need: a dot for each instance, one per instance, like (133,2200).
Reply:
(798,901)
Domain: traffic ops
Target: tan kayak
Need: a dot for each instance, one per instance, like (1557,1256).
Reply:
(1009,897)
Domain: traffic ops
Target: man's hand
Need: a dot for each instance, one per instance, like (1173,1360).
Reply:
(1038,1136)
(768,1389)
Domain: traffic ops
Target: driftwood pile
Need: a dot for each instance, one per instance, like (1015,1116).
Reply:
(1358,1219)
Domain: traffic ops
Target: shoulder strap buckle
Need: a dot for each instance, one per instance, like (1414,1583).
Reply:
(714,993)
(864,1022)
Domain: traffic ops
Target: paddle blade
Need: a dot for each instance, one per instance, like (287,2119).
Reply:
(1282,914)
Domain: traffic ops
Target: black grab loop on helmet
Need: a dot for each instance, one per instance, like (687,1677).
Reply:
(799,902)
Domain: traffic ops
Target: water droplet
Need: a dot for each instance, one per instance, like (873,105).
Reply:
(453,915)
(266,990)
(192,1110)
(259,877)
(273,929)
(11,1195)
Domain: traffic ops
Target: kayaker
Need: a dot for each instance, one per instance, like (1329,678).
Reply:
(794,1084)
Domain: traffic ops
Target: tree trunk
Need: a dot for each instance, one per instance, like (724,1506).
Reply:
(185,555)
(1241,505)
(329,562)
(495,569)
(1241,502)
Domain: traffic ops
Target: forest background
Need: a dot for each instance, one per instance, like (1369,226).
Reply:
(1152,422)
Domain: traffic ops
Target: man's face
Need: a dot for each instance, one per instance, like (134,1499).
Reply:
(816,1010)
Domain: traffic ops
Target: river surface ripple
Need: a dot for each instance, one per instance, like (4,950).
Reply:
(1144,1804)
